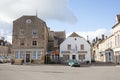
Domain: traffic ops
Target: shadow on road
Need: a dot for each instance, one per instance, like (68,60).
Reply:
(99,64)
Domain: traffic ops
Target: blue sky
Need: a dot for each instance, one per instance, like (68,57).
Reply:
(91,15)
(85,17)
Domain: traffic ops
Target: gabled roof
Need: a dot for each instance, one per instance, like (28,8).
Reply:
(74,35)
(28,16)
(51,35)
(118,19)
(60,34)
(116,25)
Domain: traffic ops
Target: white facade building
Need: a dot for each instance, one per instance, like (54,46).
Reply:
(108,49)
(75,47)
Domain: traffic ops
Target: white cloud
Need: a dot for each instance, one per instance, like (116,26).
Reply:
(93,34)
(6,31)
(47,9)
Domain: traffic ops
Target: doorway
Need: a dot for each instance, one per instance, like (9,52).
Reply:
(73,56)
(27,58)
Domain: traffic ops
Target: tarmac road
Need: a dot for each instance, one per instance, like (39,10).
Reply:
(58,72)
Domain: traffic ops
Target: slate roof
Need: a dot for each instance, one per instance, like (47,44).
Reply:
(74,35)
(60,34)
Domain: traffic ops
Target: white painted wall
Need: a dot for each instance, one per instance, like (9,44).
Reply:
(117,28)
(74,43)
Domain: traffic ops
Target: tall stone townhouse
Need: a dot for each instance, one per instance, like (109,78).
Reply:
(29,39)
(109,48)
(32,40)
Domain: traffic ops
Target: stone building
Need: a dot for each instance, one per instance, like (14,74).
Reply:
(5,48)
(32,40)
(116,40)
(108,49)
(29,39)
(54,41)
(95,56)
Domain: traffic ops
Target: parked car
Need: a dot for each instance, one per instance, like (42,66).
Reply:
(1,60)
(74,63)
(8,59)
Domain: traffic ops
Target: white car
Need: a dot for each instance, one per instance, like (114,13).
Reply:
(1,59)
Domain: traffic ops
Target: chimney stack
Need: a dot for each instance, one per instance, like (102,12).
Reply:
(96,39)
(103,37)
(87,37)
(118,18)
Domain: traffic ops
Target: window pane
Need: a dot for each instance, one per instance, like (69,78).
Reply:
(21,54)
(82,47)
(34,55)
(38,55)
(16,55)
(21,31)
(53,57)
(34,43)
(34,32)
(69,47)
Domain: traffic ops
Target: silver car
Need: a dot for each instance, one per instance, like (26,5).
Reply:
(1,60)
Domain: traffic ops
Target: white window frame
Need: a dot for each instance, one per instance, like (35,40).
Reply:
(16,54)
(36,55)
(34,32)
(19,54)
(22,32)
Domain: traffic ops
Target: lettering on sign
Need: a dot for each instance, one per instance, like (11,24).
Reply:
(82,51)
(65,51)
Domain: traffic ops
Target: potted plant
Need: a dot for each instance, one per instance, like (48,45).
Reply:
(22,61)
(32,61)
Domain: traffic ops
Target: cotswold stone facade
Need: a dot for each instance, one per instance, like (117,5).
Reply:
(5,48)
(29,39)
(54,41)
(107,49)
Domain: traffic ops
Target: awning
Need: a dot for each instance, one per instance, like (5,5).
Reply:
(56,53)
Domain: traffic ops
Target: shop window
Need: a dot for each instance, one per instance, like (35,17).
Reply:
(36,54)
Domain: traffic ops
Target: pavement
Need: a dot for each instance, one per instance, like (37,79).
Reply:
(95,71)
